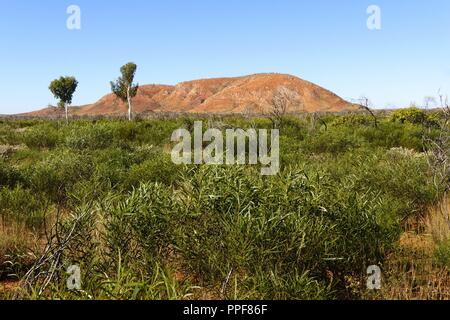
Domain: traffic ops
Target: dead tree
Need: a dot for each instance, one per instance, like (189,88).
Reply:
(280,102)
(365,104)
(429,101)
(49,267)
(439,158)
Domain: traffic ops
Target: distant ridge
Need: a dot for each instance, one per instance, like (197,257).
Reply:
(247,94)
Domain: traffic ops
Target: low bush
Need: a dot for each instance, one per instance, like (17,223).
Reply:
(42,136)
(443,254)
(158,169)
(89,136)
(9,176)
(23,206)
(413,115)
(58,172)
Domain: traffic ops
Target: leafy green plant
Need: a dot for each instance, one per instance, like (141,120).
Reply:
(9,176)
(89,137)
(158,169)
(413,115)
(42,136)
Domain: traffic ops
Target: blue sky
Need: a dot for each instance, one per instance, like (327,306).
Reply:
(323,41)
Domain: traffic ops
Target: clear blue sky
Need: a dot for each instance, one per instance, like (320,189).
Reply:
(323,41)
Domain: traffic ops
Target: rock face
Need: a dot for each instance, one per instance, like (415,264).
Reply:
(248,94)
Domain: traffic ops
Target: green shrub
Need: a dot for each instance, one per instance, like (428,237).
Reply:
(89,136)
(112,164)
(442,254)
(160,169)
(9,176)
(41,136)
(235,220)
(9,134)
(58,172)
(286,286)
(135,229)
(335,141)
(22,205)
(353,120)
(413,115)
(127,131)
(393,135)
(157,132)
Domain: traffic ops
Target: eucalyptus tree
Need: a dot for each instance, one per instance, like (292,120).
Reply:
(124,88)
(63,90)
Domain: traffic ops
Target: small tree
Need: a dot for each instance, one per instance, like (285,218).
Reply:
(123,87)
(63,89)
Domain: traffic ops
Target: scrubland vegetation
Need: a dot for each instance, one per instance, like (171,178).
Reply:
(106,196)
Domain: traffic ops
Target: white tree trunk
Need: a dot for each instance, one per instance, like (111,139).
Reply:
(129,103)
(67,112)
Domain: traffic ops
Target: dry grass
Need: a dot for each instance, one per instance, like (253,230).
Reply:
(17,249)
(437,225)
(413,272)
(7,150)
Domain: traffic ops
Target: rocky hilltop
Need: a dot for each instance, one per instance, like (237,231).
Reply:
(248,94)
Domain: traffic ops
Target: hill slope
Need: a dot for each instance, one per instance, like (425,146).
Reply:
(251,94)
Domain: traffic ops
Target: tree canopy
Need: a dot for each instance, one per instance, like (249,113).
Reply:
(63,89)
(123,87)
